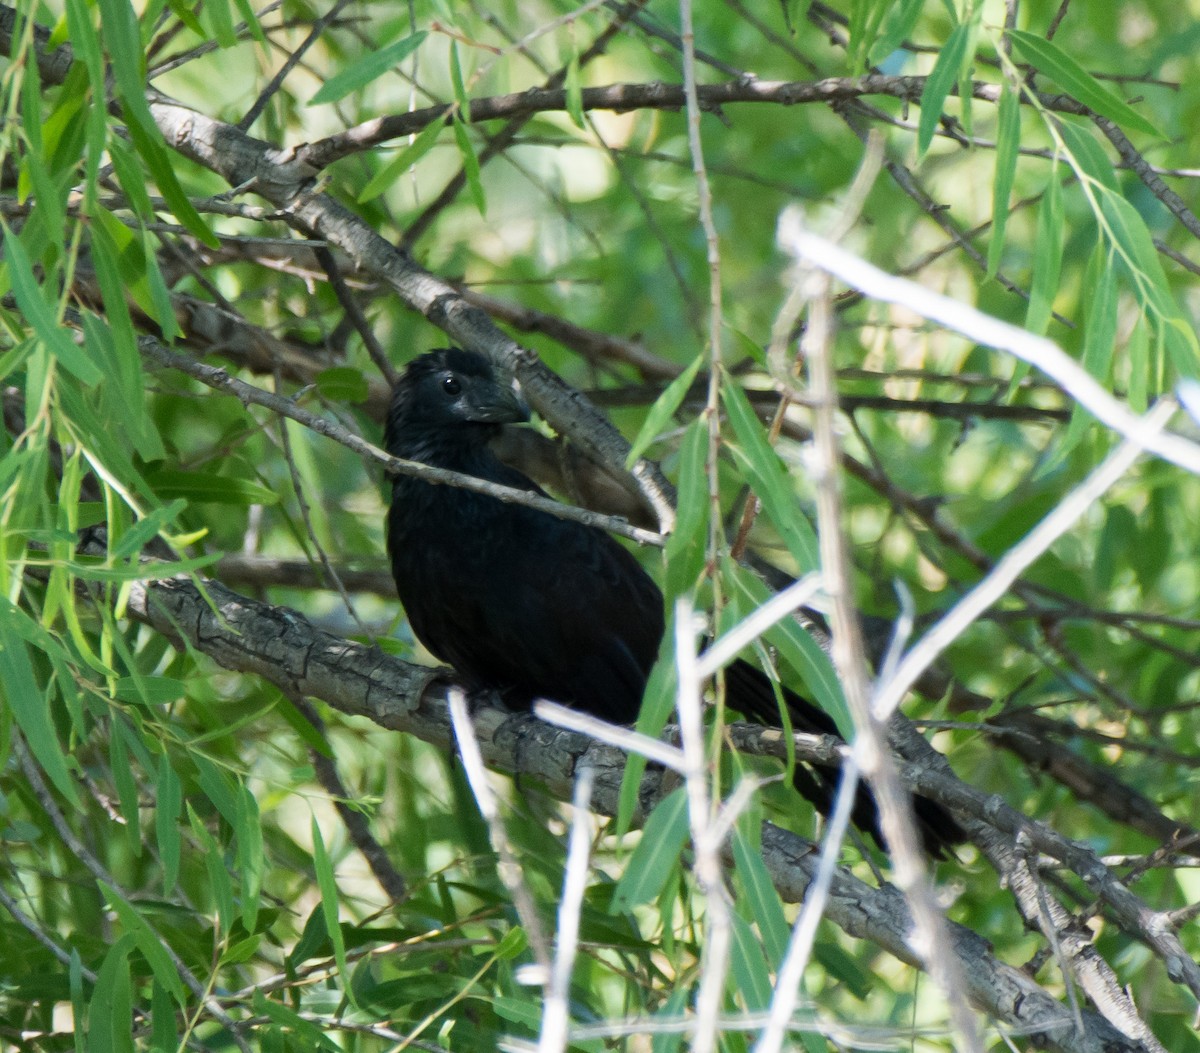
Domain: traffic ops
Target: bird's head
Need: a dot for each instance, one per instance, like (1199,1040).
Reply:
(448,396)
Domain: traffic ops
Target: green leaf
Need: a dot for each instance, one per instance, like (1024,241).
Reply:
(148,942)
(512,945)
(168,803)
(768,477)
(119,30)
(1088,155)
(110,1012)
(215,865)
(149,144)
(763,898)
(1047,58)
(685,550)
(657,855)
(408,157)
(327,883)
(40,316)
(250,17)
(145,529)
(941,80)
(376,64)
(456,79)
(574,91)
(470,165)
(901,19)
(663,410)
(251,863)
(797,648)
(1099,334)
(127,789)
(210,488)
(310,1036)
(1047,258)
(1008,144)
(217,15)
(28,701)
(748,966)
(1136,249)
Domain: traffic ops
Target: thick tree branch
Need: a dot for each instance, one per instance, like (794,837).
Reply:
(282,647)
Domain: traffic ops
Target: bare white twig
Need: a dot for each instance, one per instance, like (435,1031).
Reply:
(708,869)
(612,734)
(555,1014)
(909,867)
(787,985)
(962,318)
(1016,560)
(508,867)
(778,607)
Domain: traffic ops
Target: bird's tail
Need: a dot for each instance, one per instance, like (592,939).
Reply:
(752,693)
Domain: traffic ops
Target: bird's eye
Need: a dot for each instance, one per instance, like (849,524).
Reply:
(451,385)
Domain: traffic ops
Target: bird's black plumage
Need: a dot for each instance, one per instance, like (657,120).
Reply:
(534,606)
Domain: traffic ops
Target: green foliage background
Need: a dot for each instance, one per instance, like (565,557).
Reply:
(161,818)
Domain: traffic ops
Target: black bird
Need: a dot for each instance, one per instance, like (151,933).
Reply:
(533,606)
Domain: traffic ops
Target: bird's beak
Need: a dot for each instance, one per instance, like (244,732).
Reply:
(497,404)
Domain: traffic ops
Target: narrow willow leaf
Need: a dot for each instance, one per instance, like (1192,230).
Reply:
(250,17)
(308,1034)
(1047,258)
(39,314)
(326,882)
(251,863)
(748,966)
(1137,351)
(1008,144)
(146,529)
(403,161)
(657,855)
(901,20)
(28,701)
(184,13)
(768,477)
(219,885)
(127,790)
(663,410)
(797,648)
(216,786)
(149,144)
(110,1011)
(658,703)
(939,84)
(86,44)
(148,942)
(685,550)
(457,81)
(1047,58)
(574,91)
(164,1035)
(119,29)
(168,802)
(470,165)
(210,488)
(360,74)
(1136,248)
(219,18)
(1099,344)
(1088,154)
(78,1005)
(763,898)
